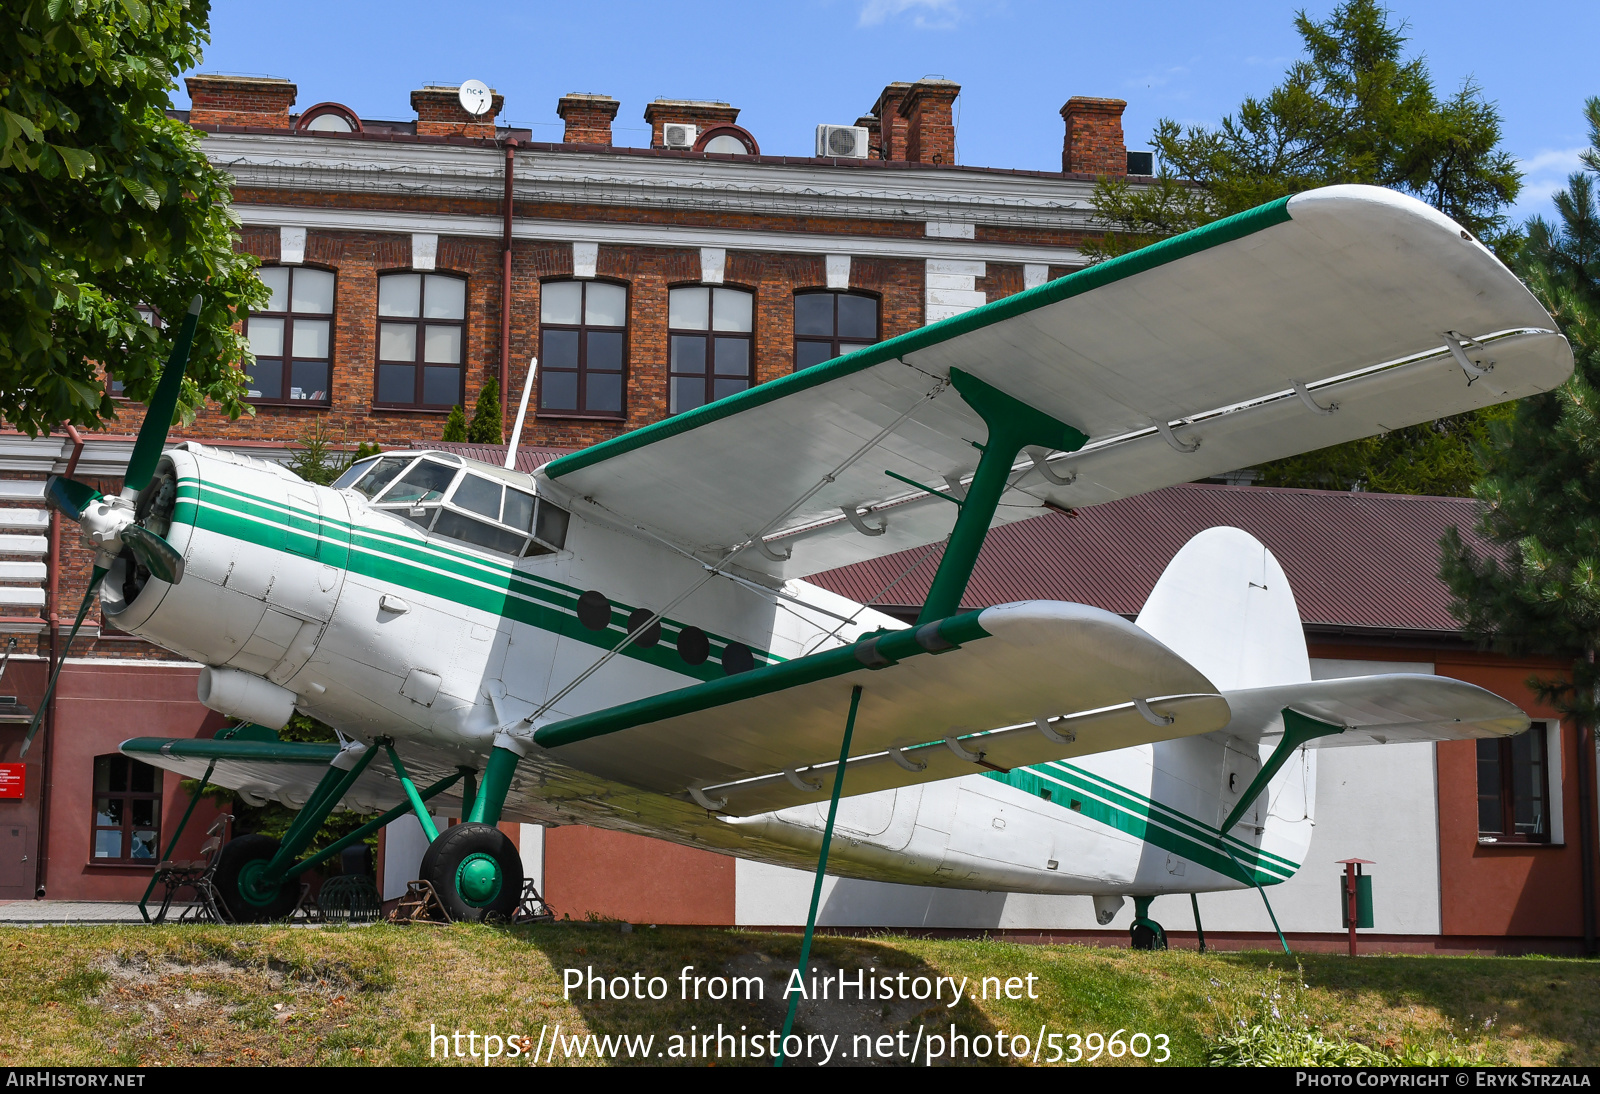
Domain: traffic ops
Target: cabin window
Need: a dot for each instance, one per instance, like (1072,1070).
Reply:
(474,508)
(709,331)
(369,477)
(421,340)
(127,811)
(832,324)
(583,348)
(292,338)
(1514,787)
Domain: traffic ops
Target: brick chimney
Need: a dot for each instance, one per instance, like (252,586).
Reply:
(930,121)
(700,114)
(240,100)
(1093,144)
(440,114)
(891,136)
(588,117)
(870,123)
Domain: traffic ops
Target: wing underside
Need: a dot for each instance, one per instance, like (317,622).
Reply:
(1397,708)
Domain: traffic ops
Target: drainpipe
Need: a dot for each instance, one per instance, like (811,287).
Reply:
(505,289)
(41,852)
(1586,819)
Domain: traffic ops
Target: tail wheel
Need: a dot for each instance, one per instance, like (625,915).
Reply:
(476,870)
(1148,935)
(249,899)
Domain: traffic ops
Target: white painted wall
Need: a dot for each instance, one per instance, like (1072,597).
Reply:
(531,845)
(1378,803)
(403,844)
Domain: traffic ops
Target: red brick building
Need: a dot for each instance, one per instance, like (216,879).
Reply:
(414,260)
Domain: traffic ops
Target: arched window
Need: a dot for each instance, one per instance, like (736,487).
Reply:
(728,140)
(582,348)
(127,811)
(421,340)
(292,337)
(328,118)
(831,324)
(710,334)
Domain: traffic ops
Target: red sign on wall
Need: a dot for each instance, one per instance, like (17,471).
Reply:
(13,779)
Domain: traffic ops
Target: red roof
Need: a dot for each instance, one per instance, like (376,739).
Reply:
(528,457)
(1363,562)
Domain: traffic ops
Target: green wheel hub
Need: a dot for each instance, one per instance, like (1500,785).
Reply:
(254,887)
(478,879)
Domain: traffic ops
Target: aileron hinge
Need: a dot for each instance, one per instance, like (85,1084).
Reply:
(1041,464)
(1304,394)
(854,517)
(1458,343)
(1165,429)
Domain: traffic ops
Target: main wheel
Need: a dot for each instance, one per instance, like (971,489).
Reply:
(1148,935)
(238,879)
(476,871)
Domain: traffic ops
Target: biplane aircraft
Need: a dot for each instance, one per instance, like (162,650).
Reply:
(625,638)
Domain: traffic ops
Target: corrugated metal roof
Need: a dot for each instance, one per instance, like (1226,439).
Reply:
(1358,561)
(528,457)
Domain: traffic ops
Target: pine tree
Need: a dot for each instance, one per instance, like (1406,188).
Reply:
(455,426)
(485,426)
(1537,591)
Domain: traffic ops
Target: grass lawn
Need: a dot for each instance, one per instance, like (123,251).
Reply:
(268,995)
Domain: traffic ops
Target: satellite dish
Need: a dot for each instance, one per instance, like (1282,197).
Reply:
(475,98)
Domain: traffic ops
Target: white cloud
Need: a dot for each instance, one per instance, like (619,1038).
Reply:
(1543,175)
(925,14)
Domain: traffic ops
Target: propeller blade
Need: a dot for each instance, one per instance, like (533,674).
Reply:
(158,418)
(73,498)
(44,703)
(154,553)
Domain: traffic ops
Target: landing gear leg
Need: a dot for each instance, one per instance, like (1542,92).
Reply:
(1147,933)
(474,867)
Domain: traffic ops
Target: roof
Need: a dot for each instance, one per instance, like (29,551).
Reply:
(528,457)
(1361,563)
(1358,563)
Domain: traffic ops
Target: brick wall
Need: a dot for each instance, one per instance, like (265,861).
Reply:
(588,118)
(930,122)
(703,115)
(240,100)
(1093,142)
(440,114)
(892,137)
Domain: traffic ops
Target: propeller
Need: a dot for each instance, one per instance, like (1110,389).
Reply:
(111,524)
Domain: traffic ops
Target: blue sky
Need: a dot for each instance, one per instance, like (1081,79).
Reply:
(790,65)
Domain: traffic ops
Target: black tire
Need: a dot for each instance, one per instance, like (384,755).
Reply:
(1149,936)
(235,865)
(448,856)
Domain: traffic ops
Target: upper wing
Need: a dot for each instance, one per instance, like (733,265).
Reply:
(1238,337)
(1399,708)
(770,738)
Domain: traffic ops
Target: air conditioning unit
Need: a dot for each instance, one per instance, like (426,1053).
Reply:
(1141,163)
(842,142)
(679,135)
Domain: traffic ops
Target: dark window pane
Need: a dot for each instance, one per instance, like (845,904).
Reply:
(594,610)
(689,354)
(119,772)
(441,385)
(603,393)
(264,379)
(688,392)
(102,773)
(397,383)
(858,317)
(651,634)
(1527,781)
(605,351)
(1489,812)
(693,646)
(425,482)
(480,495)
(464,528)
(379,476)
(552,527)
(108,811)
(144,777)
(733,357)
(143,811)
(558,390)
(722,388)
(807,354)
(736,657)
(560,349)
(813,314)
(352,474)
(519,510)
(309,380)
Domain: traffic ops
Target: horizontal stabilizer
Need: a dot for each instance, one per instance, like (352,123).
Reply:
(770,738)
(1399,708)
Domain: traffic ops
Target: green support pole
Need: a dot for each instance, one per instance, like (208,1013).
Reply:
(496,783)
(822,865)
(370,827)
(469,790)
(429,829)
(330,791)
(173,845)
(1250,877)
(1013,426)
(1194,902)
(1297,730)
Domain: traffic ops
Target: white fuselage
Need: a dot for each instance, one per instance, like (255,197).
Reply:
(378,627)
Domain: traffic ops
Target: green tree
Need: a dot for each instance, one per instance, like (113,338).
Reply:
(106,203)
(485,425)
(455,426)
(1353,109)
(1536,588)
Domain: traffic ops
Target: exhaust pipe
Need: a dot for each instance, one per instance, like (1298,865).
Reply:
(246,696)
